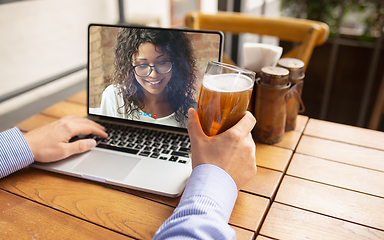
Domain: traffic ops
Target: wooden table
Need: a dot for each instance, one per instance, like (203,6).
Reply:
(324,180)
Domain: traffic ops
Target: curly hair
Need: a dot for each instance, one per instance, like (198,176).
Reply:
(180,88)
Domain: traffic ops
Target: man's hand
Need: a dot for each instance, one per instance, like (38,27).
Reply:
(50,143)
(233,150)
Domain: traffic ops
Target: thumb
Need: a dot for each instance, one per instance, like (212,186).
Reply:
(193,125)
(80,146)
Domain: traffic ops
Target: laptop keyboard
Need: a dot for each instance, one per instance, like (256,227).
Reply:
(146,142)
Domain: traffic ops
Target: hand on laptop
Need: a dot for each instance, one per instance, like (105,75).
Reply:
(50,143)
(233,150)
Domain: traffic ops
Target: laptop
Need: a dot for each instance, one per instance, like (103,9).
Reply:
(147,148)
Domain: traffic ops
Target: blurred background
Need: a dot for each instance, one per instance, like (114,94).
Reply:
(43,49)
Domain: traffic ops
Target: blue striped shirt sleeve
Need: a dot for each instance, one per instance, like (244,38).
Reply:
(205,207)
(15,153)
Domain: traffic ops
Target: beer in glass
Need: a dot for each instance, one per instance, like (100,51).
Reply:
(224,97)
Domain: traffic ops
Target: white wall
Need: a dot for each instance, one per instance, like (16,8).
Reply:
(40,39)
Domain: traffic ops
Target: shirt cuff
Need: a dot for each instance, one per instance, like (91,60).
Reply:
(213,182)
(15,153)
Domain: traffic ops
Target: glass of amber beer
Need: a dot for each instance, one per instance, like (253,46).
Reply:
(224,96)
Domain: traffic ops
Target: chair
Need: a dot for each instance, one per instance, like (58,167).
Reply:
(305,33)
(378,109)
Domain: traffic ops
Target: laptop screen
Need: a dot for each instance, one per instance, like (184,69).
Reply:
(150,75)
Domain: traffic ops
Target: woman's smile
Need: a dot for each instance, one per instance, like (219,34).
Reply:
(153,83)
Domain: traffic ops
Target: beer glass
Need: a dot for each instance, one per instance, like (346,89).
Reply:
(224,96)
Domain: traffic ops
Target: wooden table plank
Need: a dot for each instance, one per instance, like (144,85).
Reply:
(243,234)
(259,237)
(342,152)
(337,174)
(332,201)
(264,183)
(35,121)
(290,140)
(24,219)
(65,108)
(249,210)
(301,123)
(285,222)
(125,213)
(344,133)
(272,157)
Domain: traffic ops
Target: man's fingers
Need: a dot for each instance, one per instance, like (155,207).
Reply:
(245,124)
(194,128)
(79,146)
(85,127)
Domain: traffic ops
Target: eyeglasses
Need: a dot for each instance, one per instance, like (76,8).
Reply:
(144,70)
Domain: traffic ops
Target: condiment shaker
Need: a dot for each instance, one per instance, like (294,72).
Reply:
(295,104)
(270,105)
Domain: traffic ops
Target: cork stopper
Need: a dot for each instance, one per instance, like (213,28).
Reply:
(295,67)
(274,76)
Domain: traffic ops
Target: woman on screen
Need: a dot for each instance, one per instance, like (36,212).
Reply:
(153,79)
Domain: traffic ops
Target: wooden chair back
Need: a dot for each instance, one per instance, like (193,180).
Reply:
(378,108)
(306,33)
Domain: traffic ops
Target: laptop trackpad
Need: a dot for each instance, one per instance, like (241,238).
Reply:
(106,165)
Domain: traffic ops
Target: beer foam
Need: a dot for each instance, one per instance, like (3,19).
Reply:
(229,82)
